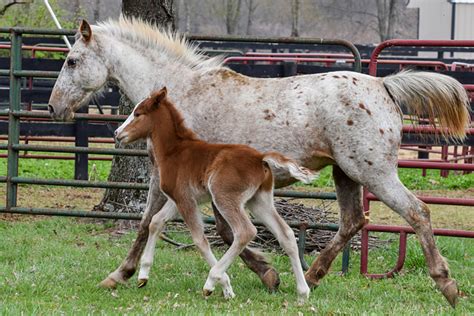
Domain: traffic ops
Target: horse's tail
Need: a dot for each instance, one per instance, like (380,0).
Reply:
(278,161)
(431,95)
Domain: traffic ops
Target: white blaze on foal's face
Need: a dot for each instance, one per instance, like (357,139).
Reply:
(139,124)
(122,133)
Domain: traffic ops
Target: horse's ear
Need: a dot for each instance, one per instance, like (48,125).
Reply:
(159,95)
(86,31)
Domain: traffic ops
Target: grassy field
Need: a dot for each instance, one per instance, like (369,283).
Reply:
(53,265)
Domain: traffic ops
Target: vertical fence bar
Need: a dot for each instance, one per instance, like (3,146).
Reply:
(14,121)
(301,245)
(81,169)
(346,257)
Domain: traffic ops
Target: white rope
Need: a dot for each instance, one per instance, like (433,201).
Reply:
(55,19)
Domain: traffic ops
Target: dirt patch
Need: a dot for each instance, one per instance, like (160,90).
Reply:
(57,197)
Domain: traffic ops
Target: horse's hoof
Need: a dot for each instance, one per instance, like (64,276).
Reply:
(450,291)
(271,280)
(228,294)
(142,283)
(108,283)
(206,292)
(312,283)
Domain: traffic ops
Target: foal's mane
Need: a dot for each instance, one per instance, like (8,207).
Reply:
(141,34)
(182,131)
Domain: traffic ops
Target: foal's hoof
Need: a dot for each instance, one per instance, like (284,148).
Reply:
(142,283)
(271,280)
(108,283)
(312,283)
(450,291)
(206,293)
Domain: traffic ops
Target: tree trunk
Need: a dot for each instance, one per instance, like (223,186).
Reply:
(295,12)
(187,16)
(97,11)
(386,15)
(252,6)
(125,168)
(232,15)
(159,12)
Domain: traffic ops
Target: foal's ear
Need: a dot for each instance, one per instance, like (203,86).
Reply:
(86,31)
(159,95)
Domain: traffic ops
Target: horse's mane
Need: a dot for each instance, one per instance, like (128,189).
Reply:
(137,32)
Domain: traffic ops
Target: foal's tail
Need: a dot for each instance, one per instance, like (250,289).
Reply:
(432,95)
(278,161)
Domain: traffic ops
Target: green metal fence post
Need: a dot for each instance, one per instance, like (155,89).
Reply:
(14,121)
(301,245)
(346,257)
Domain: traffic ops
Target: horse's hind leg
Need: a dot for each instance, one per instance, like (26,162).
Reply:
(349,197)
(262,207)
(255,261)
(192,217)
(393,193)
(230,207)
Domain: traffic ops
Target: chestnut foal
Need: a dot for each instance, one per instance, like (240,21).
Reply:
(232,176)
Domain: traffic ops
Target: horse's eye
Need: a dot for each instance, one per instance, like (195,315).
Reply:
(136,114)
(71,62)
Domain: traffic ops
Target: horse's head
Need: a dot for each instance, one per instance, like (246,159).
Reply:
(140,123)
(83,73)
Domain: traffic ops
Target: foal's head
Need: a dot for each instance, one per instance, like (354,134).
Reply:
(140,123)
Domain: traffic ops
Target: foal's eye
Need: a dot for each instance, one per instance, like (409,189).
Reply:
(136,114)
(71,62)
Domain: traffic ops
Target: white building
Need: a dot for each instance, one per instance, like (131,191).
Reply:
(445,19)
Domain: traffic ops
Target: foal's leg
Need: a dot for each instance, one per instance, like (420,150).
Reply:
(191,216)
(349,197)
(253,259)
(262,207)
(167,213)
(393,193)
(155,201)
(244,231)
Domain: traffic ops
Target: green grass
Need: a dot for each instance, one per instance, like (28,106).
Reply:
(64,169)
(56,169)
(52,266)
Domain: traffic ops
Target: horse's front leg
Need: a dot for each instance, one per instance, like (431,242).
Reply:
(253,259)
(155,202)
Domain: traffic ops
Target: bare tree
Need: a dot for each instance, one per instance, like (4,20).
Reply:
(187,16)
(158,12)
(295,12)
(6,6)
(252,7)
(97,10)
(379,16)
(232,15)
(386,15)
